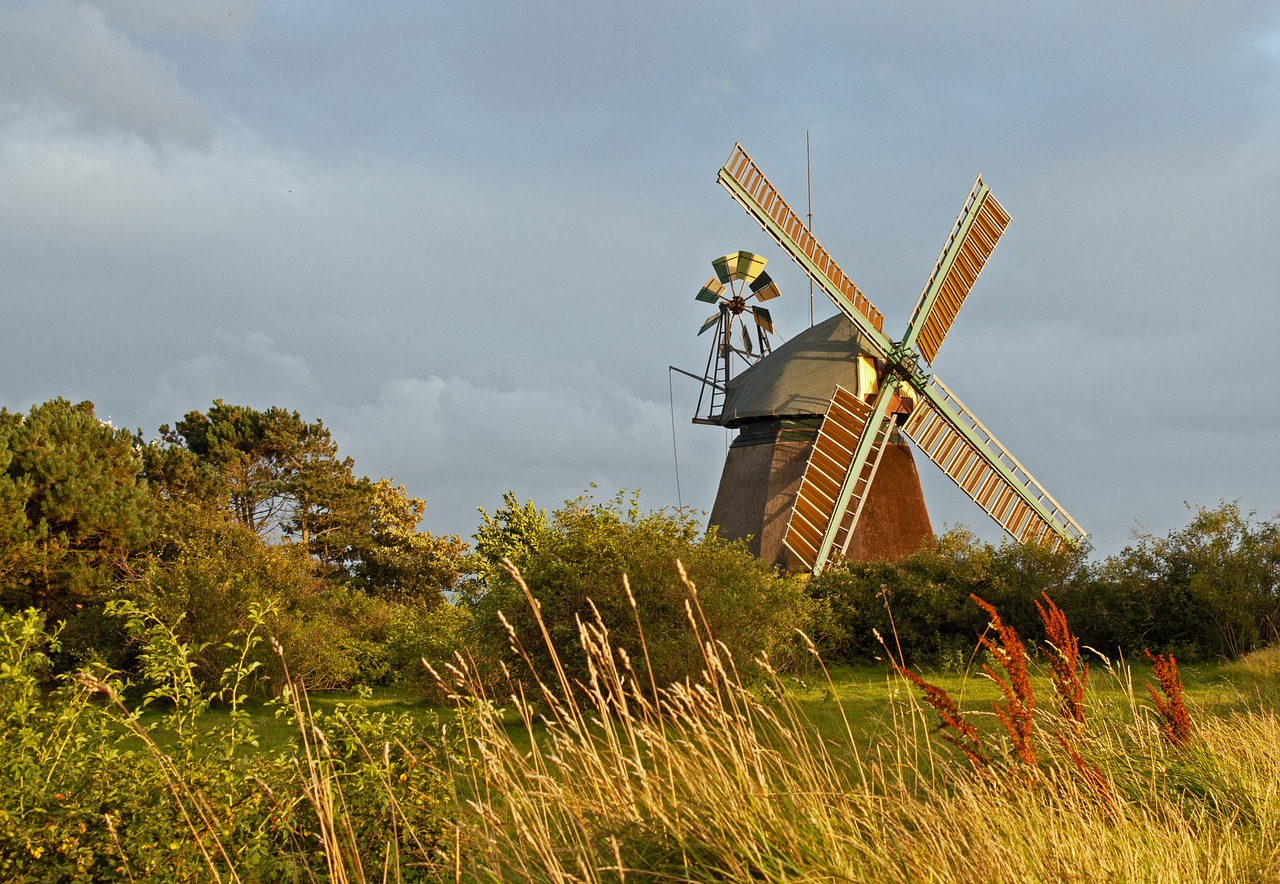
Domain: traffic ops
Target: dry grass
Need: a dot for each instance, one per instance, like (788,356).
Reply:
(621,780)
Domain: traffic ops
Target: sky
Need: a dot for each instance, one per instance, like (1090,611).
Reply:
(467,236)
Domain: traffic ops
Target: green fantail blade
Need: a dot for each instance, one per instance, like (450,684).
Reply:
(710,292)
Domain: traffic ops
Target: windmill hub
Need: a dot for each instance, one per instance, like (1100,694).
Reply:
(905,363)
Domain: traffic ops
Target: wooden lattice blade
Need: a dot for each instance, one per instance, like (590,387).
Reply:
(747,184)
(836,479)
(977,230)
(954,439)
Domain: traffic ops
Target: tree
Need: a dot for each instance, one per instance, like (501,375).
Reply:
(74,510)
(385,552)
(283,478)
(513,532)
(279,474)
(1211,589)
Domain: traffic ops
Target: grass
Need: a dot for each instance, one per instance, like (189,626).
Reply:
(276,733)
(837,775)
(867,695)
(840,775)
(846,779)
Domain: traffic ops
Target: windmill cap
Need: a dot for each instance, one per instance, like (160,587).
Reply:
(798,378)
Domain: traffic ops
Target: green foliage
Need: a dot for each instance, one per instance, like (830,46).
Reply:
(418,633)
(89,795)
(384,552)
(74,515)
(209,574)
(282,478)
(577,566)
(514,532)
(920,605)
(1209,590)
(278,472)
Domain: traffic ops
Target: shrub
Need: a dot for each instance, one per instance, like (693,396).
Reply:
(578,566)
(89,794)
(424,632)
(920,605)
(1209,590)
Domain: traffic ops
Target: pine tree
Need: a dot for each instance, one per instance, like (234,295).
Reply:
(73,509)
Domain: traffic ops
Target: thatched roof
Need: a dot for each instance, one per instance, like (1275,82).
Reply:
(798,378)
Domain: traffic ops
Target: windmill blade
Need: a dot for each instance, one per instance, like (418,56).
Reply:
(747,184)
(711,320)
(764,318)
(712,290)
(764,288)
(977,230)
(742,266)
(746,339)
(838,477)
(954,439)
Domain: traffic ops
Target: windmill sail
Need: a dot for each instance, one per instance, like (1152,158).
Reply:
(831,496)
(712,291)
(738,265)
(747,184)
(981,223)
(950,436)
(764,288)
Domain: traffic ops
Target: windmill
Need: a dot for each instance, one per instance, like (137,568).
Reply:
(882,388)
(739,279)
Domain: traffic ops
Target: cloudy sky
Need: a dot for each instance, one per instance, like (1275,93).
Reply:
(467,235)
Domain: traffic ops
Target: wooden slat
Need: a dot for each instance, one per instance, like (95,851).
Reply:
(964,464)
(984,469)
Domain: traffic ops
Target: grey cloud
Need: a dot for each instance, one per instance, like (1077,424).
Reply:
(157,17)
(66,54)
(462,445)
(508,208)
(247,371)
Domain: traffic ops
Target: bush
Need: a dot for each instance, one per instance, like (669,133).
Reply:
(920,605)
(579,562)
(1210,590)
(424,632)
(88,795)
(209,571)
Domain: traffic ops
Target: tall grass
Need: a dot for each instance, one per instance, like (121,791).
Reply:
(620,779)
